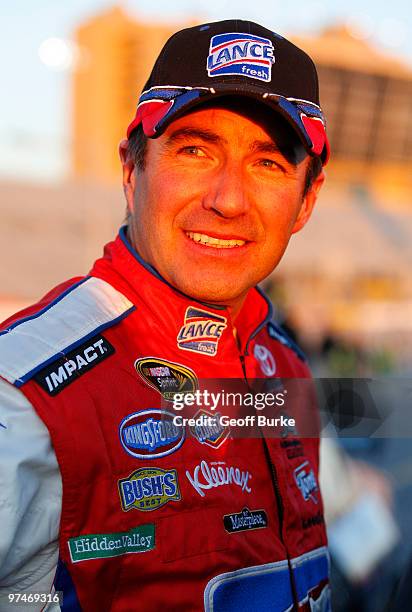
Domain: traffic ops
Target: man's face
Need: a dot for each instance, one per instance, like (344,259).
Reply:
(217,202)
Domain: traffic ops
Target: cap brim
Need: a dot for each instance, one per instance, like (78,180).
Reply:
(305,118)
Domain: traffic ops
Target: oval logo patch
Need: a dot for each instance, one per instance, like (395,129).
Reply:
(150,434)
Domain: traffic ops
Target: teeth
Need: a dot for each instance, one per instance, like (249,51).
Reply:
(217,243)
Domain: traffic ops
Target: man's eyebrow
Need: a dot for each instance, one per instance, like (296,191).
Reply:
(188,132)
(269,146)
(264,146)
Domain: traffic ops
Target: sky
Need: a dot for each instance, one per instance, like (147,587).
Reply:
(35,100)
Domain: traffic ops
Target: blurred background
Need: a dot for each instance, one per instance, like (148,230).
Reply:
(71,76)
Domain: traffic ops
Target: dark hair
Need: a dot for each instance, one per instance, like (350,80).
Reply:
(137,146)
(312,173)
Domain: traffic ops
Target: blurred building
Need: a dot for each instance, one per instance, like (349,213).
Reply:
(116,54)
(355,278)
(347,274)
(367,97)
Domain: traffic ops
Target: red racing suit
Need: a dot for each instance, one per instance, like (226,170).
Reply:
(157,515)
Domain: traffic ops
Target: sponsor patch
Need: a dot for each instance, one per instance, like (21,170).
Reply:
(104,545)
(65,370)
(266,360)
(166,377)
(245,520)
(201,331)
(217,474)
(149,489)
(150,434)
(293,448)
(240,54)
(313,521)
(211,432)
(306,481)
(289,429)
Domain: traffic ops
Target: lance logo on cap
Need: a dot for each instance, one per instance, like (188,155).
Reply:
(205,62)
(240,54)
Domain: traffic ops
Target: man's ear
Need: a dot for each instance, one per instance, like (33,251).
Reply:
(129,175)
(308,203)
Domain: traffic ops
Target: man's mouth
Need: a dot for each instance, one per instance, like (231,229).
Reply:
(217,243)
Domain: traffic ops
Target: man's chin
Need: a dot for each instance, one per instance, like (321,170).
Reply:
(219,294)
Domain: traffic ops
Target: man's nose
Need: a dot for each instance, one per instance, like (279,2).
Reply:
(226,192)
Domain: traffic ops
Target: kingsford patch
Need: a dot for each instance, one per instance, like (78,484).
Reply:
(201,331)
(240,54)
(306,480)
(150,434)
(148,489)
(210,432)
(166,377)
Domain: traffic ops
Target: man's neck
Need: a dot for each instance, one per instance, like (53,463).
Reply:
(234,306)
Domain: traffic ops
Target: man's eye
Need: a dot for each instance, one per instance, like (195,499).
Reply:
(193,150)
(269,163)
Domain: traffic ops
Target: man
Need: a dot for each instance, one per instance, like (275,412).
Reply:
(222,164)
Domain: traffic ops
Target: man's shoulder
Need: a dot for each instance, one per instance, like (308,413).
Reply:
(68,316)
(44,302)
(277,333)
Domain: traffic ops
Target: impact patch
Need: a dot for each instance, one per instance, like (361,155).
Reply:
(65,370)
(149,489)
(150,434)
(210,431)
(240,54)
(201,331)
(140,539)
(245,520)
(166,377)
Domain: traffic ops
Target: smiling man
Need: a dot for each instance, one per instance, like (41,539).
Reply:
(223,189)
(221,165)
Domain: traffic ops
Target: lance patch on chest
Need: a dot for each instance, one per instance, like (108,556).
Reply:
(65,370)
(201,331)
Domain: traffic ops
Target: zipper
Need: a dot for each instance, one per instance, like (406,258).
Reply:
(278,496)
(275,483)
(281,512)
(273,473)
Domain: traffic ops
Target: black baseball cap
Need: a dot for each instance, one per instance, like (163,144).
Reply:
(233,57)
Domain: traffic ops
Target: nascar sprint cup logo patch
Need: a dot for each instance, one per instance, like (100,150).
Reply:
(240,54)
(166,377)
